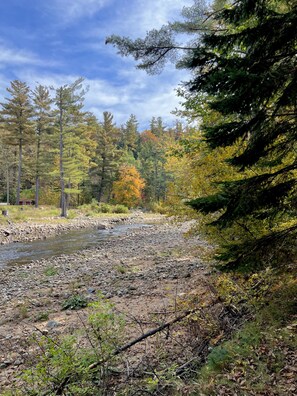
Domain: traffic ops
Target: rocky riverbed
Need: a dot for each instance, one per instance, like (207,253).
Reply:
(144,272)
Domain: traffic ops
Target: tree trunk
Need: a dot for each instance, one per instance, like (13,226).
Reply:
(18,193)
(102,181)
(37,191)
(37,179)
(62,182)
(7,186)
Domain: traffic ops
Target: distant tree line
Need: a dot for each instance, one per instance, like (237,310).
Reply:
(52,151)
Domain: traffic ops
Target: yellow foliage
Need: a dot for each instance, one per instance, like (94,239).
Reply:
(127,189)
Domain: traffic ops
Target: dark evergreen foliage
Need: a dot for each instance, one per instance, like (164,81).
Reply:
(250,74)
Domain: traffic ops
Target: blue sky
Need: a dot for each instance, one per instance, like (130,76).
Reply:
(53,42)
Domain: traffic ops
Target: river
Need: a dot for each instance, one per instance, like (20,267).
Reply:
(66,243)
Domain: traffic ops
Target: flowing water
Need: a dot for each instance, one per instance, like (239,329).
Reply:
(66,243)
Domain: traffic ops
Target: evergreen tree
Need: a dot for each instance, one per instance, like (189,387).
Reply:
(249,74)
(42,112)
(131,136)
(107,155)
(152,162)
(16,117)
(76,160)
(8,167)
(157,127)
(69,101)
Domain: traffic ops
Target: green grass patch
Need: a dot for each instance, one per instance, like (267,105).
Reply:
(50,271)
(50,214)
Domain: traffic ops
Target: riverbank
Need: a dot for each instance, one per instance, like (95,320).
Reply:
(31,230)
(142,272)
(154,275)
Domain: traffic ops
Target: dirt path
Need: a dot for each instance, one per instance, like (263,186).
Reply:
(143,272)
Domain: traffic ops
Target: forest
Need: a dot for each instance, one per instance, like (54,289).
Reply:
(61,155)
(228,168)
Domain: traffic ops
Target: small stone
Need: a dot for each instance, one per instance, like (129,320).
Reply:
(5,364)
(52,324)
(18,362)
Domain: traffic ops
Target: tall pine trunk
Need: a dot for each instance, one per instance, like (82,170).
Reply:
(37,177)
(102,181)
(63,200)
(7,185)
(18,192)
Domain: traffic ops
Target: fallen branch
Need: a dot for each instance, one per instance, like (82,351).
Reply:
(60,388)
(143,337)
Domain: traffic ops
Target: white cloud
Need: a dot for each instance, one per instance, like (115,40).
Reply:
(143,16)
(143,95)
(146,15)
(140,94)
(10,56)
(70,10)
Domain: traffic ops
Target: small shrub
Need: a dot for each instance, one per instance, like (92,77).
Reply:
(63,363)
(22,311)
(94,205)
(121,269)
(158,207)
(219,358)
(120,209)
(104,208)
(71,214)
(75,302)
(41,317)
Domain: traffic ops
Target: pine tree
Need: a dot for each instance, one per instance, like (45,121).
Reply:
(107,155)
(157,127)
(16,117)
(69,101)
(131,136)
(249,75)
(152,162)
(43,123)
(8,166)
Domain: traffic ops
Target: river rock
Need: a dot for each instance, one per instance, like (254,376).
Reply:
(101,227)
(52,324)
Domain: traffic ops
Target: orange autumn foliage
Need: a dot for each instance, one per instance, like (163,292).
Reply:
(127,189)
